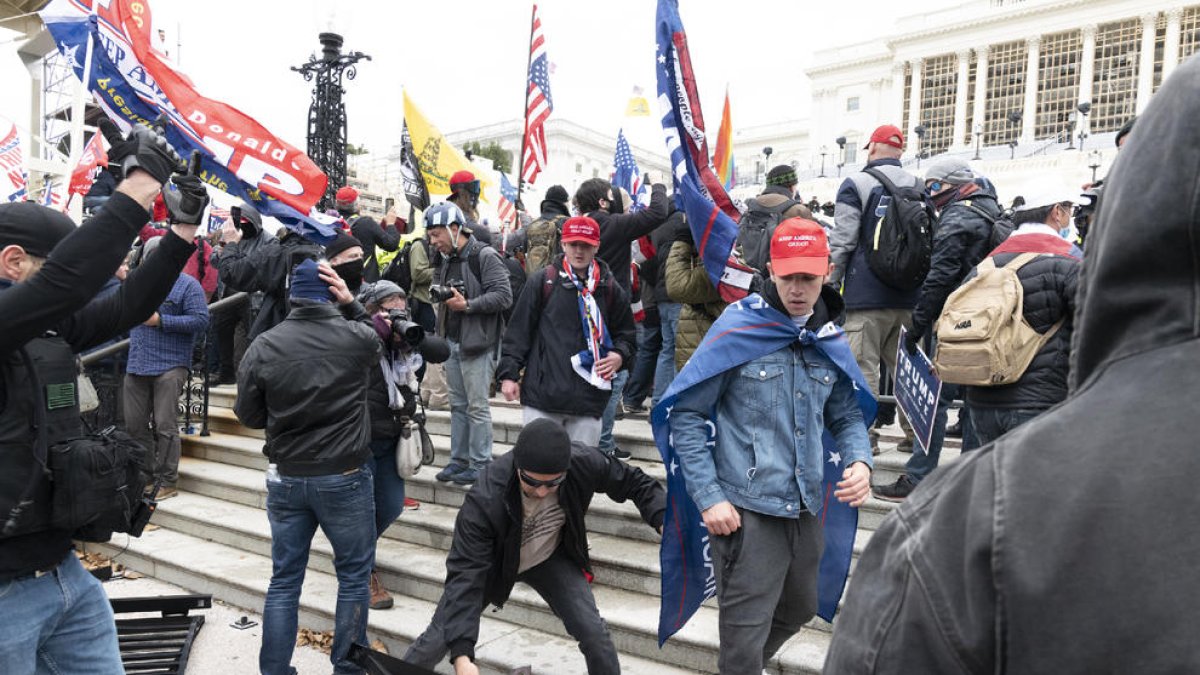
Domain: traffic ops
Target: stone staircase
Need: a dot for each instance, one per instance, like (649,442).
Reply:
(214,538)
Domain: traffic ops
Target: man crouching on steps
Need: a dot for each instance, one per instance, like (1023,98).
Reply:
(524,521)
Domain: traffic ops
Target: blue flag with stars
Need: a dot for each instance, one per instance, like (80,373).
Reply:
(626,174)
(747,330)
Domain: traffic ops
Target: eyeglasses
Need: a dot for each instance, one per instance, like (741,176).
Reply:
(535,483)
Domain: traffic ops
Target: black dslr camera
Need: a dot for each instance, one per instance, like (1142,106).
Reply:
(443,293)
(413,334)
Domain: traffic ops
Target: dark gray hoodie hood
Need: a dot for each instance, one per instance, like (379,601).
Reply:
(1139,286)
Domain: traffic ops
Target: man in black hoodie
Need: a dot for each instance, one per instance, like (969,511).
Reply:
(524,521)
(238,275)
(1068,545)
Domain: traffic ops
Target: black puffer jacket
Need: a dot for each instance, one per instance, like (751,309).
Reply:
(486,553)
(960,242)
(305,382)
(544,334)
(1049,288)
(1023,555)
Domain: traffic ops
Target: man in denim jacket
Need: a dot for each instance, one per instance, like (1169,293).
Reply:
(758,487)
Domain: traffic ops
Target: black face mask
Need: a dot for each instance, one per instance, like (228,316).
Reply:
(352,273)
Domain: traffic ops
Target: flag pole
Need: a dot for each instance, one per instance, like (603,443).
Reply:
(525,103)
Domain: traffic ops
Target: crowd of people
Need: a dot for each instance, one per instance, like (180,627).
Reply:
(585,314)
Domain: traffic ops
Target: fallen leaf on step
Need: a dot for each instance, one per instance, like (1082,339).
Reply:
(378,646)
(150,527)
(322,640)
(130,574)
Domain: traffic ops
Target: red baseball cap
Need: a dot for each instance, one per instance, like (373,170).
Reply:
(461,177)
(581,228)
(799,246)
(346,195)
(888,134)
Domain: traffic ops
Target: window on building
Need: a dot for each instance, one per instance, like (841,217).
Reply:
(1005,91)
(968,133)
(908,81)
(1058,84)
(939,86)
(578,167)
(1160,49)
(852,104)
(1114,88)
(1189,33)
(853,143)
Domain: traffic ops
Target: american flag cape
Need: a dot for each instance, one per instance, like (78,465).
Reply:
(747,330)
(134,85)
(711,214)
(538,104)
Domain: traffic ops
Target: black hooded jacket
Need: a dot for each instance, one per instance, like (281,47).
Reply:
(619,230)
(1070,544)
(486,552)
(546,331)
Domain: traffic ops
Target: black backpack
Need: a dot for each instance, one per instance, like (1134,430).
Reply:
(1001,227)
(755,228)
(899,254)
(399,270)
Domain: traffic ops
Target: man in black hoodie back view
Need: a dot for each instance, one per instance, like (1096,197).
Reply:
(1068,545)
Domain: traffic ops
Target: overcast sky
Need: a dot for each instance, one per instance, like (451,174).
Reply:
(464,61)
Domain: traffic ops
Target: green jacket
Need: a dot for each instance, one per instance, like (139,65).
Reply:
(688,284)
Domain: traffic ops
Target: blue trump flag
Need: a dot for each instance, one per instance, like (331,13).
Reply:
(747,330)
(113,66)
(698,192)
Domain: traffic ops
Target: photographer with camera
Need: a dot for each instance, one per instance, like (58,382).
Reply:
(57,617)
(471,284)
(392,402)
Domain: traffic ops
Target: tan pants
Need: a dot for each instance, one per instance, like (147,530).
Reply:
(874,335)
(433,388)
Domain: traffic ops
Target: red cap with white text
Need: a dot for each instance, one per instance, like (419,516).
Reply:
(799,246)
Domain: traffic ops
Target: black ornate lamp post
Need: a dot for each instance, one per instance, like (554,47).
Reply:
(327,112)
(841,143)
(824,151)
(1014,121)
(920,130)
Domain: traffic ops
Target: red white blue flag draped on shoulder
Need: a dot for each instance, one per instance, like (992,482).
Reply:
(747,330)
(134,84)
(711,214)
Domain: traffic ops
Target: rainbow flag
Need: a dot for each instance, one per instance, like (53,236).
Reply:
(723,155)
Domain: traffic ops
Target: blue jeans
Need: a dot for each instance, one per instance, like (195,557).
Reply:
(60,623)
(668,318)
(343,505)
(992,423)
(468,379)
(641,376)
(389,486)
(922,464)
(607,444)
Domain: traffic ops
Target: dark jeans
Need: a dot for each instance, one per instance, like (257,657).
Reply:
(225,324)
(389,486)
(562,585)
(992,423)
(766,586)
(922,464)
(343,505)
(641,381)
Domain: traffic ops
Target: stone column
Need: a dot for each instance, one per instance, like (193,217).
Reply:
(1171,47)
(914,103)
(958,142)
(981,84)
(1145,85)
(1029,115)
(896,107)
(1087,72)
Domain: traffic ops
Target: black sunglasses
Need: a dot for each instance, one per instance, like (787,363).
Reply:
(534,483)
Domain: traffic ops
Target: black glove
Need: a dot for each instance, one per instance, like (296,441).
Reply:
(144,148)
(911,340)
(186,202)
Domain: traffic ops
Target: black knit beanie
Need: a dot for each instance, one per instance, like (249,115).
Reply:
(543,447)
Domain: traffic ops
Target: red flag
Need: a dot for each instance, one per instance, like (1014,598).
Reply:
(85,172)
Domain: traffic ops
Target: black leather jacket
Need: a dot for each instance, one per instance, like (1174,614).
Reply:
(305,382)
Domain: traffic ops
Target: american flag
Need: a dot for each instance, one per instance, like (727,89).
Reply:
(538,104)
(12,164)
(52,195)
(508,198)
(626,174)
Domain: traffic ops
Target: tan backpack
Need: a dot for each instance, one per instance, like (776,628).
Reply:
(983,337)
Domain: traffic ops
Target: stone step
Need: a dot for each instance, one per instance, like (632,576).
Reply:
(627,563)
(239,577)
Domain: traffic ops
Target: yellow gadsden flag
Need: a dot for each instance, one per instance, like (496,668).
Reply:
(638,105)
(438,159)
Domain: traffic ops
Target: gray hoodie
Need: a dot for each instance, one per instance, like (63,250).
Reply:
(1070,544)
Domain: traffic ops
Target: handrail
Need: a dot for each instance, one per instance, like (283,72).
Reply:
(116,348)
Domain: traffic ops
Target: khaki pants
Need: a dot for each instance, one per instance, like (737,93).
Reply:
(874,335)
